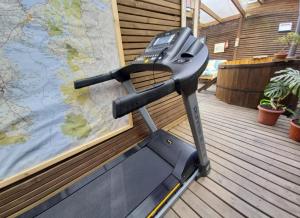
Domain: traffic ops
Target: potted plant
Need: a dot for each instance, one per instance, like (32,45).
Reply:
(287,41)
(291,79)
(294,131)
(271,108)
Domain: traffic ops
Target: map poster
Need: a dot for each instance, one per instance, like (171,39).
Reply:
(44,46)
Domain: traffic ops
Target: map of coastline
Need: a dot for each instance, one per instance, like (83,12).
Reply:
(44,46)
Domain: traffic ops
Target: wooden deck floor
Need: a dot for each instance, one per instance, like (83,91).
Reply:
(255,168)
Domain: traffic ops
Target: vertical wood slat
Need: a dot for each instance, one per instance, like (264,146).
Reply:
(196,17)
(139,22)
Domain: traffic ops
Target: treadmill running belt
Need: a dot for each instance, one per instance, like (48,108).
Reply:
(117,192)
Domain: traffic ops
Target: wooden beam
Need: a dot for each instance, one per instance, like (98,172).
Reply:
(238,6)
(196,17)
(183,13)
(204,25)
(226,19)
(230,18)
(260,1)
(210,12)
(238,36)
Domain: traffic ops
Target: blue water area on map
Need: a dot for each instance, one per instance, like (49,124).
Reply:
(100,5)
(37,88)
(30,3)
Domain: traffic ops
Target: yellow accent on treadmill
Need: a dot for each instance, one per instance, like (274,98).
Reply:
(154,211)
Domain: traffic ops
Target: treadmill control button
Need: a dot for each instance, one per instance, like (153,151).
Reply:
(181,61)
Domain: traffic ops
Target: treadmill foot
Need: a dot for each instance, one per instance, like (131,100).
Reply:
(204,170)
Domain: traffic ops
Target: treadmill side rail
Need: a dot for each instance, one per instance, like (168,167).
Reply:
(173,199)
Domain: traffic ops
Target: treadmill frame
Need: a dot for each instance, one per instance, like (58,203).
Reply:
(192,109)
(193,113)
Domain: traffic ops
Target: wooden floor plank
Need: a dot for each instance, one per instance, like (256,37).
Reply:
(258,153)
(258,171)
(275,148)
(255,168)
(267,184)
(253,143)
(251,115)
(201,208)
(237,203)
(247,130)
(249,133)
(294,146)
(214,202)
(219,149)
(183,210)
(217,105)
(250,124)
(261,154)
(245,122)
(259,142)
(244,142)
(265,163)
(171,214)
(248,196)
(269,196)
(274,166)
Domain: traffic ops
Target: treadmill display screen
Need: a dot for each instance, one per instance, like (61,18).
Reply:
(164,40)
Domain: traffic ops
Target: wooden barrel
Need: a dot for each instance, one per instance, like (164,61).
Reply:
(244,84)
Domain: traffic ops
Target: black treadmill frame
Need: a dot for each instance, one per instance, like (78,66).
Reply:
(188,91)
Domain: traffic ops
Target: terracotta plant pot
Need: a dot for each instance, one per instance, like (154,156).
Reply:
(295,131)
(280,55)
(267,116)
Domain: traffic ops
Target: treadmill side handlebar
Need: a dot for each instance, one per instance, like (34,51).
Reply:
(78,84)
(131,102)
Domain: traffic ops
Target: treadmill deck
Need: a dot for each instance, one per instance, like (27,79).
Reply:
(119,192)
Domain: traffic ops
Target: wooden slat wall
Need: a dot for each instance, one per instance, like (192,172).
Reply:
(140,20)
(259,30)
(218,34)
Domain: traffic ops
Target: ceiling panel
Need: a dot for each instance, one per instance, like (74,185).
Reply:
(205,18)
(223,8)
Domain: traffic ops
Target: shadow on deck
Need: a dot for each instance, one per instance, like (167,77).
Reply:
(255,168)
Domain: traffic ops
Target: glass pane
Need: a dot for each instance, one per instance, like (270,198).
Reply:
(223,8)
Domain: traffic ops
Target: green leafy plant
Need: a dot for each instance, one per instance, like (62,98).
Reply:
(285,82)
(276,92)
(289,78)
(272,103)
(288,40)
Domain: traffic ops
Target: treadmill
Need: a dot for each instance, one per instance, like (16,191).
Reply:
(146,180)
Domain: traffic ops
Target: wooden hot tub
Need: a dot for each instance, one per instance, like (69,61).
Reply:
(243,84)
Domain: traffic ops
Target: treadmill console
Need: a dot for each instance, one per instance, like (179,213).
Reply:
(162,46)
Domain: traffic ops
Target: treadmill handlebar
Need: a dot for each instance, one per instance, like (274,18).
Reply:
(131,102)
(78,84)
